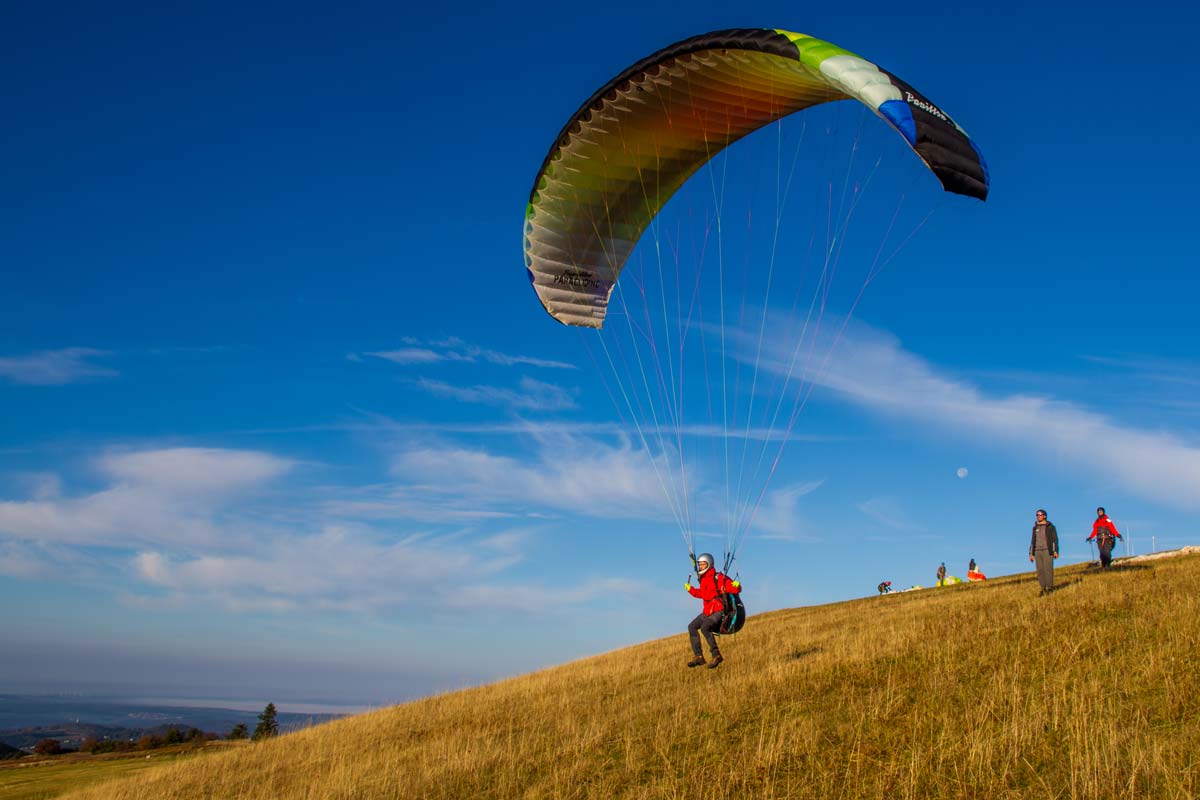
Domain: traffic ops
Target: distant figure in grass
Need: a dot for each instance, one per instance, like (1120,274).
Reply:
(712,585)
(1104,532)
(941,575)
(1043,549)
(885,587)
(971,566)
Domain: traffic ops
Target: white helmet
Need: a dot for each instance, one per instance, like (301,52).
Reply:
(705,558)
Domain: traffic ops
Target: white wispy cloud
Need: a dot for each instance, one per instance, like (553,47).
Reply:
(343,567)
(355,569)
(40,485)
(418,355)
(870,368)
(358,579)
(888,512)
(222,528)
(153,496)
(505,360)
(568,473)
(1153,368)
(536,599)
(536,428)
(412,504)
(571,474)
(533,395)
(22,560)
(455,349)
(111,517)
(779,516)
(1150,382)
(56,367)
(194,470)
(49,561)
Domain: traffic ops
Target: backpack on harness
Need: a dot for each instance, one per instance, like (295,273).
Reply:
(733,614)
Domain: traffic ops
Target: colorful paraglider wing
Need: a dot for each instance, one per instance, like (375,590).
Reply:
(627,150)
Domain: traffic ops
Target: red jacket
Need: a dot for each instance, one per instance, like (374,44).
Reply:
(712,585)
(1099,526)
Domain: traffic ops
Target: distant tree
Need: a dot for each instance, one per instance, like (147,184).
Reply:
(8,751)
(238,732)
(48,747)
(196,736)
(267,726)
(149,741)
(89,745)
(172,735)
(112,746)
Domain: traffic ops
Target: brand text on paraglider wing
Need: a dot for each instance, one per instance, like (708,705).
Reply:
(578,279)
(921,104)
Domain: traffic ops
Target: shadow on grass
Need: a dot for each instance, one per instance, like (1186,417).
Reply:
(802,652)
(1094,568)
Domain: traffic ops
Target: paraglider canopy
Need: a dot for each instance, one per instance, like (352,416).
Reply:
(639,137)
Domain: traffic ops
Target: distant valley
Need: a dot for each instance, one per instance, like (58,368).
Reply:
(26,719)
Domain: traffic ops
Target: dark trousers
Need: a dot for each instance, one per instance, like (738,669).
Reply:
(1045,569)
(1106,548)
(706,624)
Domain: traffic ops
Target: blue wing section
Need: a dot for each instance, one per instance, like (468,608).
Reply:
(900,115)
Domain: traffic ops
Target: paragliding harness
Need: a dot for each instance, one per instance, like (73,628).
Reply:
(1106,538)
(1106,542)
(733,611)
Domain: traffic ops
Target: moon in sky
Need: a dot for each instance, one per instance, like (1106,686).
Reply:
(962,472)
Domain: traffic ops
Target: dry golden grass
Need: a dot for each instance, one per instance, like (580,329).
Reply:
(971,691)
(36,778)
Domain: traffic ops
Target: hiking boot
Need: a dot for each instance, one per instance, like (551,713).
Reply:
(697,661)
(716,662)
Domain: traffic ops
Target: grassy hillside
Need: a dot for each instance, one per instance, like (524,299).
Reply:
(973,691)
(36,778)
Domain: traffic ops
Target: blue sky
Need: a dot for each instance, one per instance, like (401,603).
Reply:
(282,415)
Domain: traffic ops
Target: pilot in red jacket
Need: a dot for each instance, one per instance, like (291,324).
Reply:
(1106,535)
(712,585)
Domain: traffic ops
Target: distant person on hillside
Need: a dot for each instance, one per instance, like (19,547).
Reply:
(712,585)
(971,566)
(885,587)
(941,574)
(1043,549)
(1106,535)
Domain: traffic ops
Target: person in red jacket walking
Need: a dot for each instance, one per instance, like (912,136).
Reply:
(712,585)
(1105,534)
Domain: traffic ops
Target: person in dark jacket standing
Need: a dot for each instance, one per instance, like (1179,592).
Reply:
(941,574)
(1043,549)
(712,585)
(1105,534)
